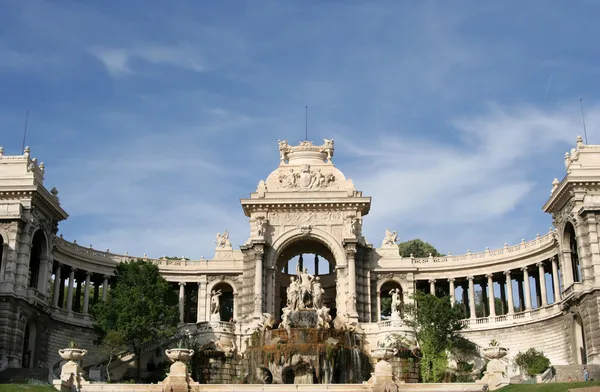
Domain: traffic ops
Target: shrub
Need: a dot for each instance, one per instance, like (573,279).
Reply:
(532,361)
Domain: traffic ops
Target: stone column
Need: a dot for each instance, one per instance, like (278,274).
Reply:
(452,299)
(70,291)
(316,265)
(543,293)
(201,313)
(105,288)
(555,283)
(78,296)
(86,293)
(491,297)
(509,293)
(472,297)
(181,301)
(432,286)
(258,280)
(527,291)
(350,259)
(57,285)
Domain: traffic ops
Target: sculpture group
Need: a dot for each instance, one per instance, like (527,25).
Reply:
(305,293)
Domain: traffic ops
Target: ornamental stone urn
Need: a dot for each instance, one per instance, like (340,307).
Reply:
(494,352)
(72,354)
(178,379)
(179,354)
(495,375)
(383,353)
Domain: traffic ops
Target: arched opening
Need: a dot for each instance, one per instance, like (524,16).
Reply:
(391,306)
(317,259)
(221,302)
(28,353)
(579,347)
(37,260)
(571,242)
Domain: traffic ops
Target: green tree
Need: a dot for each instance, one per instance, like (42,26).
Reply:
(141,307)
(418,248)
(437,325)
(112,344)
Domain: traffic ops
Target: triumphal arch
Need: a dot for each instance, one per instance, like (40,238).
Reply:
(307,206)
(307,264)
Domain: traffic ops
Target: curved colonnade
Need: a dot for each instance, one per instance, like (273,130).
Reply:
(531,266)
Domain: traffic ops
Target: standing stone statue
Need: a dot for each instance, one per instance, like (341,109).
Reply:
(396,304)
(215,305)
(305,286)
(317,293)
(293,292)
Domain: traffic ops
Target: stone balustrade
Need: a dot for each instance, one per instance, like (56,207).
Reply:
(493,322)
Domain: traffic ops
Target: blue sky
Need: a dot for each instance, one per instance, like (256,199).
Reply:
(154,118)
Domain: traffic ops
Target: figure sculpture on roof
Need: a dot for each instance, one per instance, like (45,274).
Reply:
(284,149)
(222,240)
(328,148)
(391,237)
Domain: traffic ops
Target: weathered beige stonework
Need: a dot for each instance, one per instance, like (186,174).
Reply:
(306,206)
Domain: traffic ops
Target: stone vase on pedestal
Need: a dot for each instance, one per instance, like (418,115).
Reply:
(382,378)
(70,373)
(178,379)
(495,375)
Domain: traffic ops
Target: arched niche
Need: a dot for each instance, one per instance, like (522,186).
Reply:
(570,243)
(578,340)
(222,296)
(38,258)
(29,345)
(385,291)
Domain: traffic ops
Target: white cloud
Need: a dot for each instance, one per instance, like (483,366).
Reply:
(441,189)
(115,60)
(119,61)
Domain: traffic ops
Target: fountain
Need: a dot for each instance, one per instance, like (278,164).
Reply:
(305,349)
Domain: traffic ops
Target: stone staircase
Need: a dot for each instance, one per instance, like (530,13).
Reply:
(575,372)
(24,376)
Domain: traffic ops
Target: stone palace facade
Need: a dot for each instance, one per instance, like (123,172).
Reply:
(307,206)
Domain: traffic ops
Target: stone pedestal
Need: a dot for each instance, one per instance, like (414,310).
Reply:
(383,378)
(303,319)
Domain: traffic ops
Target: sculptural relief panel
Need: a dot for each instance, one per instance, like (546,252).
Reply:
(310,217)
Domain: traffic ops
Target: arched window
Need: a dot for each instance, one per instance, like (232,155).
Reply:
(573,247)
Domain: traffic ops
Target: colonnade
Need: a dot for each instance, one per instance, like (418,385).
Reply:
(78,281)
(504,279)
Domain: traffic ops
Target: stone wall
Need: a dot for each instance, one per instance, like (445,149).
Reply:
(547,335)
(60,334)
(405,369)
(217,371)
